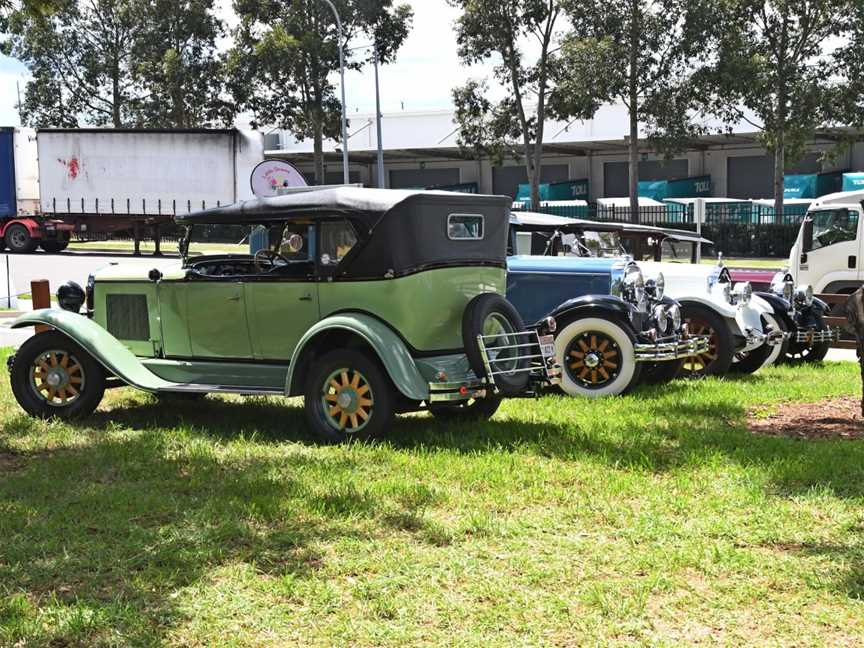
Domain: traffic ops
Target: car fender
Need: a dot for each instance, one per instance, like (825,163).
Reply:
(386,344)
(720,306)
(588,305)
(99,343)
(779,305)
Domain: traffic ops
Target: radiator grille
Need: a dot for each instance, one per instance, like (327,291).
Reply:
(127,316)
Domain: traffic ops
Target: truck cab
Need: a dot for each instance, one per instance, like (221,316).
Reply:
(827,254)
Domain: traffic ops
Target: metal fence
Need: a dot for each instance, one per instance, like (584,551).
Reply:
(737,229)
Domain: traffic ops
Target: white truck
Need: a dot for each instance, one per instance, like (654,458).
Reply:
(60,181)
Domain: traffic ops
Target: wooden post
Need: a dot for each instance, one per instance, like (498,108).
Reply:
(40,291)
(136,235)
(855,317)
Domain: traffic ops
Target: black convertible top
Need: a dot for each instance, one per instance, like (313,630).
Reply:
(369,203)
(399,231)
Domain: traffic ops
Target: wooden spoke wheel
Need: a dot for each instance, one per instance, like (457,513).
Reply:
(717,359)
(593,359)
(57,377)
(52,376)
(700,364)
(348,396)
(348,400)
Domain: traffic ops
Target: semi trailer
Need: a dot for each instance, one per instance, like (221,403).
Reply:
(58,182)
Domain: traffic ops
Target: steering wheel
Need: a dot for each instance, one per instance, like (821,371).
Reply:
(268,256)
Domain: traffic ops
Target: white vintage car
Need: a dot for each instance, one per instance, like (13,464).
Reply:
(743,332)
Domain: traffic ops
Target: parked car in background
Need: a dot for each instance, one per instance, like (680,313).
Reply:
(366,302)
(615,328)
(741,330)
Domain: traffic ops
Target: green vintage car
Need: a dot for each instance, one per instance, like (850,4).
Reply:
(366,302)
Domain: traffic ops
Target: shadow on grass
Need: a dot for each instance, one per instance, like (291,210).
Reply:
(110,530)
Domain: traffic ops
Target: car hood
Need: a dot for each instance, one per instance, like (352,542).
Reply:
(170,269)
(563,264)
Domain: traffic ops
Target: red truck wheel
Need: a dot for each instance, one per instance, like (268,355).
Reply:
(18,239)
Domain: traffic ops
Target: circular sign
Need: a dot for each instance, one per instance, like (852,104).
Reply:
(271,176)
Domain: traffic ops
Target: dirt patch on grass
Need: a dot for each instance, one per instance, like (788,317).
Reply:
(10,462)
(836,418)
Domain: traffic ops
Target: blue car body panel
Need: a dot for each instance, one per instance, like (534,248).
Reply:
(538,285)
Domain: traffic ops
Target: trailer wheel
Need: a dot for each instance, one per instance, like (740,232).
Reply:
(53,247)
(18,239)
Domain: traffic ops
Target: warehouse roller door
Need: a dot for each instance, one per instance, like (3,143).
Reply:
(752,176)
(419,178)
(616,175)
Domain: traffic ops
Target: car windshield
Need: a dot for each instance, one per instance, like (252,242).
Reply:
(216,239)
(602,244)
(834,226)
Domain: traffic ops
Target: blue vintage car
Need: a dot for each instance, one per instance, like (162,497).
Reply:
(614,327)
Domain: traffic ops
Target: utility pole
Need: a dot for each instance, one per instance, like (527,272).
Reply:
(381,183)
(345,176)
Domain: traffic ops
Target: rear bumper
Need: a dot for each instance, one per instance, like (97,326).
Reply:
(811,336)
(673,350)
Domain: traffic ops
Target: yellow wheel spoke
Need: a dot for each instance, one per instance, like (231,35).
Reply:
(61,394)
(329,397)
(343,420)
(74,369)
(577,354)
(354,423)
(335,410)
(603,345)
(76,380)
(355,381)
(44,366)
(362,390)
(53,359)
(363,414)
(344,377)
(65,361)
(594,376)
(610,365)
(610,354)
(576,365)
(593,341)
(603,373)
(364,402)
(335,385)
(72,391)
(583,346)
(45,387)
(583,373)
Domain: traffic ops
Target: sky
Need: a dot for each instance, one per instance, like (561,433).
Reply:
(421,78)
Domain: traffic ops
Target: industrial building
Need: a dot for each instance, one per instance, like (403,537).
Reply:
(421,150)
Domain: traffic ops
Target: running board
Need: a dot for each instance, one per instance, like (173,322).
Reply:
(191,388)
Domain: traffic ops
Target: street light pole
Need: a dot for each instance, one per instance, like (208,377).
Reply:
(381,182)
(345,176)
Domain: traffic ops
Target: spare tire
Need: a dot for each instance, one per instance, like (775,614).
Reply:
(491,314)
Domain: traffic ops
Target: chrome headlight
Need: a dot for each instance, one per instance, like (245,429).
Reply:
(803,296)
(656,288)
(675,315)
(726,290)
(742,292)
(661,317)
(634,286)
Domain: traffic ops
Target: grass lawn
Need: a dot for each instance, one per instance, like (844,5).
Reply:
(655,518)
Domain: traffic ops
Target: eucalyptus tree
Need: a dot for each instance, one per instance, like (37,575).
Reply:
(642,54)
(521,38)
(80,58)
(286,51)
(781,67)
(177,68)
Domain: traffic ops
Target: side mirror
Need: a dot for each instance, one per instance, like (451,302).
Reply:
(807,236)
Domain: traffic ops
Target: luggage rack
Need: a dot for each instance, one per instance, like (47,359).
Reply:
(538,350)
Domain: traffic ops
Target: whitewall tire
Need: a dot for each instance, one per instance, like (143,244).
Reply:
(597,358)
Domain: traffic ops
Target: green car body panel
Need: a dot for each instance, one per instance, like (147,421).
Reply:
(391,350)
(108,351)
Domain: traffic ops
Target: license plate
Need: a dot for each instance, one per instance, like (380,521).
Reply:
(547,346)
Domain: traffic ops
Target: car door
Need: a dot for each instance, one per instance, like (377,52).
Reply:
(835,254)
(216,316)
(283,305)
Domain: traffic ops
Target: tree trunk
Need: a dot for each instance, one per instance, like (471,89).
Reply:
(318,153)
(779,170)
(633,109)
(115,103)
(533,179)
(633,167)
